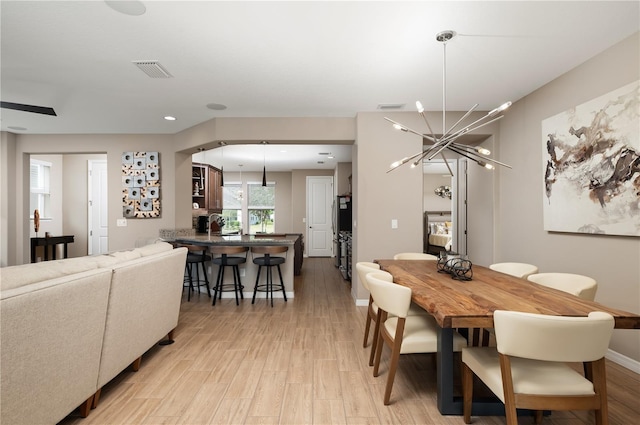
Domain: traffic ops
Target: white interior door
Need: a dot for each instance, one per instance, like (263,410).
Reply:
(319,201)
(98,217)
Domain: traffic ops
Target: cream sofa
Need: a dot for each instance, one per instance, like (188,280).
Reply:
(70,326)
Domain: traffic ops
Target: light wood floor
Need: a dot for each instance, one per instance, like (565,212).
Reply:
(300,362)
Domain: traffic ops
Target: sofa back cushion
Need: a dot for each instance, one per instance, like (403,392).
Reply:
(25,274)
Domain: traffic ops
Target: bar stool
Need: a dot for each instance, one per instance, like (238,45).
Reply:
(228,261)
(268,261)
(197,258)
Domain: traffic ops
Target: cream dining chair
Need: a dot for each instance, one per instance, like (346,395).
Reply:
(363,268)
(403,334)
(414,256)
(576,284)
(528,367)
(521,270)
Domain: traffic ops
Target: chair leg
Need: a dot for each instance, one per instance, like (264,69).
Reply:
(393,366)
(375,340)
(597,371)
(376,363)
(235,283)
(255,289)
(467,392)
(367,327)
(240,286)
(189,272)
(284,293)
(206,278)
(218,288)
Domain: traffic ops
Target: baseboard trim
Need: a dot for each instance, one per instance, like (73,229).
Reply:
(624,361)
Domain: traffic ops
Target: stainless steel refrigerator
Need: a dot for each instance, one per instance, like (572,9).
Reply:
(342,222)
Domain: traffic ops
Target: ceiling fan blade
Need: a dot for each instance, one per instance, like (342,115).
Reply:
(29,108)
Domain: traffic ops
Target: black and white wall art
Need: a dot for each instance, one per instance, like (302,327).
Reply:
(591,166)
(140,185)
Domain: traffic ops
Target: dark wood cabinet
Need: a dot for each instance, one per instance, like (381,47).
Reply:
(206,189)
(215,189)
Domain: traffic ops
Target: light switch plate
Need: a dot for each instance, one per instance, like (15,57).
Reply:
(121,222)
(394,224)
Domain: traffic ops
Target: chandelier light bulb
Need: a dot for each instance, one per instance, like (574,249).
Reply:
(397,126)
(419,106)
(499,109)
(483,151)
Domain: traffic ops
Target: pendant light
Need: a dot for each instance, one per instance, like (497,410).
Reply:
(447,140)
(222,145)
(264,164)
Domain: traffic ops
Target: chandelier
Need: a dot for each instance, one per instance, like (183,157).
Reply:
(448,139)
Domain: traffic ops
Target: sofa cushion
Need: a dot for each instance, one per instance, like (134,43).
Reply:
(25,274)
(154,248)
(123,256)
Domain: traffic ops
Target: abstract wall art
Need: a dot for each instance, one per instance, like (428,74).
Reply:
(140,185)
(591,160)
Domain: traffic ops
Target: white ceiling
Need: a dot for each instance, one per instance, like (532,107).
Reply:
(284,59)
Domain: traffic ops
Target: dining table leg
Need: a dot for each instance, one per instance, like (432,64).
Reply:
(448,403)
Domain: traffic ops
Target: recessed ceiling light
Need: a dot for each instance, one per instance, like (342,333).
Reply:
(170,118)
(330,157)
(128,7)
(216,106)
(11,127)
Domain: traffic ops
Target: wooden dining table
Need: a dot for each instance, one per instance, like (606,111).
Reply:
(457,304)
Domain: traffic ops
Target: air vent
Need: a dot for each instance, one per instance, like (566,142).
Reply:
(153,69)
(388,106)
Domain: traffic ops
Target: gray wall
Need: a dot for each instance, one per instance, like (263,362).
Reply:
(614,261)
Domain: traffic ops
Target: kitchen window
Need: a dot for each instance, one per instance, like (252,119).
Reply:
(255,206)
(232,197)
(261,205)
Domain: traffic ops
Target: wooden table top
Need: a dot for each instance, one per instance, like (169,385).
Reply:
(470,304)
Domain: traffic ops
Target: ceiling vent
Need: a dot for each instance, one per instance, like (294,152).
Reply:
(391,106)
(153,69)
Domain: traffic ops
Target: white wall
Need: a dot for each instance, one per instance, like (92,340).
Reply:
(614,261)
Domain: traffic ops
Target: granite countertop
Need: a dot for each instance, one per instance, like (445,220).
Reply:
(236,240)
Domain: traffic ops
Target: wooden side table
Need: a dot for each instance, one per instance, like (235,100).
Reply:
(47,243)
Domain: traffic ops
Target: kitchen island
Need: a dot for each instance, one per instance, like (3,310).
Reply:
(248,270)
